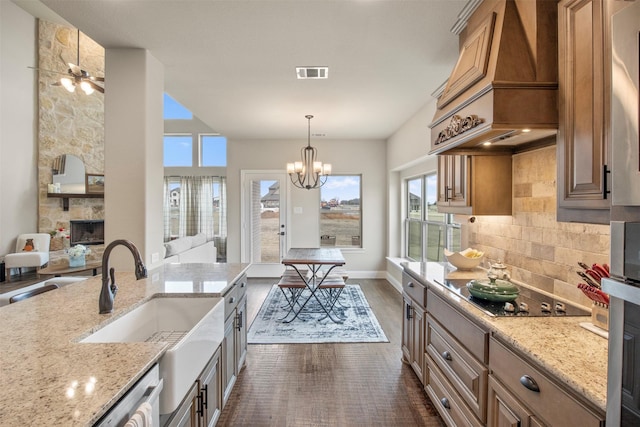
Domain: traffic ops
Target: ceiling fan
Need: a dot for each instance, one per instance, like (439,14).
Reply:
(77,77)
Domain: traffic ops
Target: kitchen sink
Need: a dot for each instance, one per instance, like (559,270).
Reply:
(193,327)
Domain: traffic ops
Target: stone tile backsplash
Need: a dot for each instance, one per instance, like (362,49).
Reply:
(539,250)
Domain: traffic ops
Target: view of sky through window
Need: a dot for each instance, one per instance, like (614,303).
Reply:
(174,110)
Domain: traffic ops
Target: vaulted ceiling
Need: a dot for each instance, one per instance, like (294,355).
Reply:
(232,63)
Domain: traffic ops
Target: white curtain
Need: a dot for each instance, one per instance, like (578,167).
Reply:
(166,202)
(196,206)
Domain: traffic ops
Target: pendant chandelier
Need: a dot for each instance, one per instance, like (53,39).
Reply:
(309,173)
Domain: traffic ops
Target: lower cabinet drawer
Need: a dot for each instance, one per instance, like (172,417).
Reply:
(474,337)
(448,403)
(536,391)
(231,300)
(466,374)
(416,290)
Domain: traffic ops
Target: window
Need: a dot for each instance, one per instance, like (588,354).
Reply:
(173,110)
(213,150)
(341,211)
(178,150)
(428,232)
(196,204)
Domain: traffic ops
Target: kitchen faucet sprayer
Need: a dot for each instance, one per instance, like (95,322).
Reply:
(109,287)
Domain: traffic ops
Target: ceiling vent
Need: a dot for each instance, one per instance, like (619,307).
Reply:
(312,72)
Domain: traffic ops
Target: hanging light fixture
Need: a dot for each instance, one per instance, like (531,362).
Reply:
(308,173)
(77,77)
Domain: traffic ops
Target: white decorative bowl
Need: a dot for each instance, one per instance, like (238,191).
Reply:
(462,262)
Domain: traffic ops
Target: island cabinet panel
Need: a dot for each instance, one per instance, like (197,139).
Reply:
(545,401)
(474,338)
(467,375)
(202,405)
(475,184)
(584,82)
(234,344)
(413,324)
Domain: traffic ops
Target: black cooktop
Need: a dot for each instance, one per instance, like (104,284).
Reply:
(529,303)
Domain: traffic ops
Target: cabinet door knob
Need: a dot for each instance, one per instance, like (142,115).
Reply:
(445,402)
(232,300)
(529,383)
(446,355)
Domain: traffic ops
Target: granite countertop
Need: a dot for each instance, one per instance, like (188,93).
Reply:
(48,378)
(575,356)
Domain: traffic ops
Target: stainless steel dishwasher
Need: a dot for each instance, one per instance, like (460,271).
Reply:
(142,397)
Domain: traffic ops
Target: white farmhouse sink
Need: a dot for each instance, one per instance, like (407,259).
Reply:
(194,327)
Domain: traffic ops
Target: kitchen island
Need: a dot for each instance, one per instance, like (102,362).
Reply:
(47,377)
(558,348)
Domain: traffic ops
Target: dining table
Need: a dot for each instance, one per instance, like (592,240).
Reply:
(309,277)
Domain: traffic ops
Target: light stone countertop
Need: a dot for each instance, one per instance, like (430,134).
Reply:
(575,356)
(48,378)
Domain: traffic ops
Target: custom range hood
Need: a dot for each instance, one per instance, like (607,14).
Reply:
(502,94)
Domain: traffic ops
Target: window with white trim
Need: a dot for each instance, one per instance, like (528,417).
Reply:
(427,232)
(341,211)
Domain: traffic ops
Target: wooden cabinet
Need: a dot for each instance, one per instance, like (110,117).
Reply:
(234,344)
(584,83)
(456,363)
(202,405)
(631,366)
(474,184)
(210,389)
(413,323)
(523,392)
(505,410)
(467,375)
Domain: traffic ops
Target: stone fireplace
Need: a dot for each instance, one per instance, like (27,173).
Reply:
(87,232)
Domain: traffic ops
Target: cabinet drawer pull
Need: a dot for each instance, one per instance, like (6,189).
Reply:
(243,284)
(232,300)
(205,394)
(199,407)
(605,171)
(410,284)
(529,383)
(446,356)
(445,402)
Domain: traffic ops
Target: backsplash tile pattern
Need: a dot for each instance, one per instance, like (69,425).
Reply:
(537,249)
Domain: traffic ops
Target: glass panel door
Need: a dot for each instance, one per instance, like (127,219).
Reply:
(264,225)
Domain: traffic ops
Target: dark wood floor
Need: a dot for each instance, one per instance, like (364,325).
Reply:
(330,384)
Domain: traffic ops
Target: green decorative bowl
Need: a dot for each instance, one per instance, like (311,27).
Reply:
(493,290)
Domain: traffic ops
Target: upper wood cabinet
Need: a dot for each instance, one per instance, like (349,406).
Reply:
(474,184)
(584,82)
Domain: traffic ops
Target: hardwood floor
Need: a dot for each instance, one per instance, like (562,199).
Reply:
(330,384)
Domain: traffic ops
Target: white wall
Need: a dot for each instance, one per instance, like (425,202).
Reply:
(18,123)
(134,169)
(357,157)
(407,156)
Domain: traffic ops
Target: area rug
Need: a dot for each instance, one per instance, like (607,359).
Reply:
(360,324)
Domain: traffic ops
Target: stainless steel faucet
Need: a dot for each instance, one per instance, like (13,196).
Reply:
(109,287)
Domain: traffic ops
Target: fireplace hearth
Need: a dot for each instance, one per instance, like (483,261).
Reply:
(87,232)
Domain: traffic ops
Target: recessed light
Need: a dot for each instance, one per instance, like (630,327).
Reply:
(312,72)
(486,143)
(526,130)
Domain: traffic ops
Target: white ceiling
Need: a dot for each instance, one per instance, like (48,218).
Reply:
(232,63)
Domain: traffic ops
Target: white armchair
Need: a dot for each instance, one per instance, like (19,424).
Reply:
(37,257)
